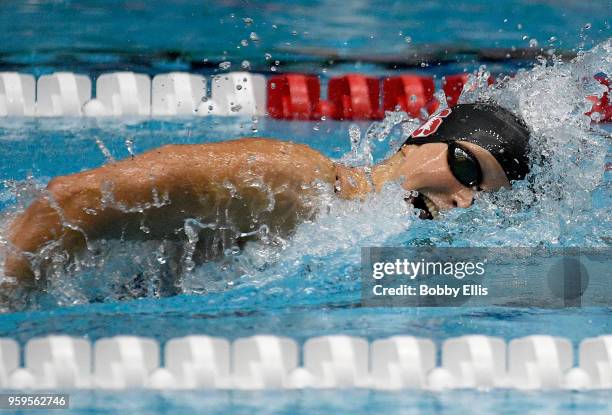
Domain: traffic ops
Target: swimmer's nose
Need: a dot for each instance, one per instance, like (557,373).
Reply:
(463,198)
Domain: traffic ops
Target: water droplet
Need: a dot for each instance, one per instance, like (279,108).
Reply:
(238,87)
(254,37)
(247,21)
(519,26)
(294,32)
(587,26)
(245,65)
(408,39)
(268,56)
(225,65)
(533,43)
(244,42)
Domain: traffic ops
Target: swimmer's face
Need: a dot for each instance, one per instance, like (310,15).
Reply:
(425,169)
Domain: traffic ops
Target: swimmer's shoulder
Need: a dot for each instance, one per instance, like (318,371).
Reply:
(262,144)
(275,149)
(242,145)
(252,153)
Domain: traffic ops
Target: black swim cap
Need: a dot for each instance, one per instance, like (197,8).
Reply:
(490,126)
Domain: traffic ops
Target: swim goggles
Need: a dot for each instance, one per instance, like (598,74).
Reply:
(462,162)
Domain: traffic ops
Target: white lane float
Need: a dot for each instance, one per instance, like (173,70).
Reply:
(401,362)
(595,357)
(58,362)
(264,362)
(475,361)
(269,362)
(17,95)
(125,362)
(62,94)
(236,93)
(9,360)
(121,94)
(200,362)
(539,362)
(177,93)
(337,361)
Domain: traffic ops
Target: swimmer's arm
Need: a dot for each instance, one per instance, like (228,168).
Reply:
(96,203)
(178,180)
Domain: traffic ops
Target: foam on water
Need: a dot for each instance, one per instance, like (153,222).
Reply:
(564,201)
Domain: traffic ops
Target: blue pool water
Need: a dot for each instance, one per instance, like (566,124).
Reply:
(310,286)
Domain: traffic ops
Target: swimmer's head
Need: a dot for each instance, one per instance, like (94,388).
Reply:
(461,150)
(491,127)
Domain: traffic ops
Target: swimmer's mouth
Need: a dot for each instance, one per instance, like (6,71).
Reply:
(427,208)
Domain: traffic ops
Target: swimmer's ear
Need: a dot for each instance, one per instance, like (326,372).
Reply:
(404,149)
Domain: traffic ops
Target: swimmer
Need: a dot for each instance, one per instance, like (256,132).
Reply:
(226,191)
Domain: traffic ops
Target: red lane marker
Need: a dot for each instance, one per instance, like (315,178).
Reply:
(410,93)
(452,86)
(293,96)
(602,105)
(355,97)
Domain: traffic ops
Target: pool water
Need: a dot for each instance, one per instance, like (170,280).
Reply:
(309,285)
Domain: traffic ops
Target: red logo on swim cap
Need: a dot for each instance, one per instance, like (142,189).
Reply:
(431,125)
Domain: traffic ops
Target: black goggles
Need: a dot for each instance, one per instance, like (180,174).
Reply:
(463,164)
